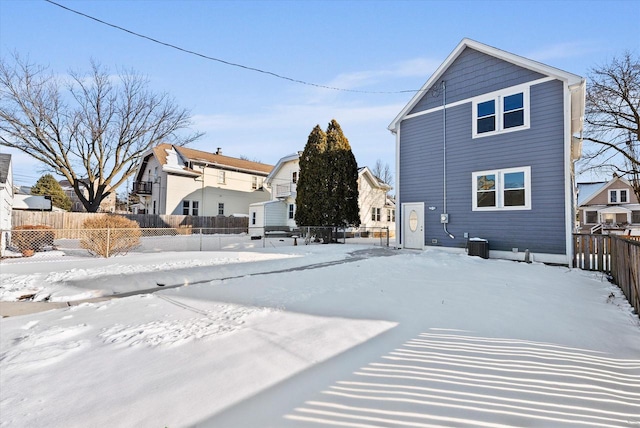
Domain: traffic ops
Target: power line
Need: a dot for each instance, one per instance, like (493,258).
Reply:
(232,64)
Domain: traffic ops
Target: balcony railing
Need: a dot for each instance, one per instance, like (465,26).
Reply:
(142,187)
(285,190)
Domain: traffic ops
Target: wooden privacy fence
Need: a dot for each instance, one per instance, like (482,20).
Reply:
(614,255)
(73,221)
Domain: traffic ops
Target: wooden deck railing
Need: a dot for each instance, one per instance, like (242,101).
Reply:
(618,256)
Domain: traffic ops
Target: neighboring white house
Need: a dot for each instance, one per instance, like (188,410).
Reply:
(6,200)
(376,208)
(180,181)
(610,207)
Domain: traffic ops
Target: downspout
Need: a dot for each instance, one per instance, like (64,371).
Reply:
(444,218)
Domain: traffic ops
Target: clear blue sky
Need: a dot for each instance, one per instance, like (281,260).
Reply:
(361,45)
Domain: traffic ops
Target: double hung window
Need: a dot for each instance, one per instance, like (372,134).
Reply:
(499,112)
(190,207)
(506,189)
(618,196)
(375,214)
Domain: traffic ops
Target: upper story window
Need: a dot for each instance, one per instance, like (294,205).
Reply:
(502,111)
(506,189)
(254,182)
(294,176)
(222,176)
(618,196)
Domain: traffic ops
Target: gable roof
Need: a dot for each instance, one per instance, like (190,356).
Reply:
(603,188)
(5,164)
(374,179)
(175,159)
(571,79)
(280,164)
(587,190)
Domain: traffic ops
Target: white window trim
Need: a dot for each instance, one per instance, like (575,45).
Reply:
(617,192)
(499,173)
(498,97)
(222,177)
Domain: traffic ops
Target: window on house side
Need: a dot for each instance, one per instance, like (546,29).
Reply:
(513,111)
(185,207)
(291,211)
(635,217)
(194,207)
(486,190)
(220,208)
(502,111)
(618,196)
(375,214)
(254,182)
(294,177)
(507,189)
(253,218)
(221,177)
(591,217)
(486,116)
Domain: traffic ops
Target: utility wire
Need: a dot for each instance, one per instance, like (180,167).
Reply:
(232,64)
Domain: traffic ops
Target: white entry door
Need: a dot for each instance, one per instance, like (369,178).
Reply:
(413,225)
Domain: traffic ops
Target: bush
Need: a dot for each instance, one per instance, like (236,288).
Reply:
(30,238)
(110,235)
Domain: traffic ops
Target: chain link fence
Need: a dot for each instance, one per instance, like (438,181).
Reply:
(51,243)
(311,235)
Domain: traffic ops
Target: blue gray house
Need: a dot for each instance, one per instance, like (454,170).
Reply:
(486,149)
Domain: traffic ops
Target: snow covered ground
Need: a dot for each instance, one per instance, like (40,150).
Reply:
(308,336)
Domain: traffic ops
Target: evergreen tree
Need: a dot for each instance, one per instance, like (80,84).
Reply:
(342,180)
(327,190)
(48,186)
(310,195)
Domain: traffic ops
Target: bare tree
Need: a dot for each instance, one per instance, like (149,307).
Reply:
(612,119)
(90,128)
(383,172)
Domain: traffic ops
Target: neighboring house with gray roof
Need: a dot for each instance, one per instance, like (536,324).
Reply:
(177,180)
(610,208)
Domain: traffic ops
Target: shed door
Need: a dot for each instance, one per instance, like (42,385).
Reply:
(413,225)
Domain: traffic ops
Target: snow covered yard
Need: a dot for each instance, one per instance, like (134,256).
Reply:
(327,335)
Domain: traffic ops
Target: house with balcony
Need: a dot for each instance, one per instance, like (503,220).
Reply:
(608,208)
(278,214)
(177,180)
